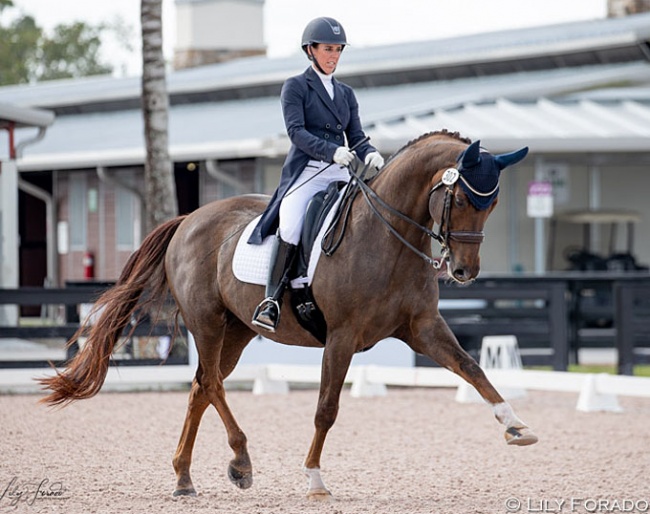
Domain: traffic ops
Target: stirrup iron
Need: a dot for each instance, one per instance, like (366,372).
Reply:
(266,304)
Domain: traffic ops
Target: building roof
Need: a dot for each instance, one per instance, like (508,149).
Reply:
(22,117)
(208,1)
(562,45)
(575,87)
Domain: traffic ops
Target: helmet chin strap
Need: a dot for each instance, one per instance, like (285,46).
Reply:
(315,61)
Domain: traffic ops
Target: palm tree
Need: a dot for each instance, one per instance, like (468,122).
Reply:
(160,188)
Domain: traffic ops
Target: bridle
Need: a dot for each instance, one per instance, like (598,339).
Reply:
(449,179)
(443,236)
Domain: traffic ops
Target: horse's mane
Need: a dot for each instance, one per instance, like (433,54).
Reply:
(443,132)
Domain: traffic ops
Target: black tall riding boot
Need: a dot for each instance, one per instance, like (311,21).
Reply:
(267,313)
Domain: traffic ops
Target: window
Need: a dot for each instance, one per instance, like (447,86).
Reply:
(78,211)
(127,219)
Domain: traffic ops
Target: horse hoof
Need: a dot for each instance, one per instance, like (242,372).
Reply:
(520,436)
(185,492)
(320,495)
(241,480)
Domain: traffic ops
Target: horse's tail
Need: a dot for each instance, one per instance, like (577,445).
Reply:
(86,372)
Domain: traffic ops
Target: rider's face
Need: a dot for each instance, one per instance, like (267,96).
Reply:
(327,56)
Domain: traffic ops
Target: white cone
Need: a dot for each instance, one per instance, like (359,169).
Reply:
(467,394)
(497,352)
(363,388)
(590,400)
(265,385)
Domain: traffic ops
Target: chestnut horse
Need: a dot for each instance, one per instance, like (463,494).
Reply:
(378,284)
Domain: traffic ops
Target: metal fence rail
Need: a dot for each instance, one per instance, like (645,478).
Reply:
(546,314)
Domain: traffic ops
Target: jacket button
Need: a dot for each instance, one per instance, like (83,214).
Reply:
(339,126)
(338,137)
(326,136)
(327,125)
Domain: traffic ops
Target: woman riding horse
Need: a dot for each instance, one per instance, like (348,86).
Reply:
(322,118)
(380,283)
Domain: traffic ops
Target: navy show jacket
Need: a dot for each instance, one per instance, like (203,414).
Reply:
(316,126)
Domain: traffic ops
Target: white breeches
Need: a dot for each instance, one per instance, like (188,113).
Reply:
(294,203)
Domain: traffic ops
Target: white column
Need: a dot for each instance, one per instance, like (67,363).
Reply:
(9,236)
(540,227)
(595,235)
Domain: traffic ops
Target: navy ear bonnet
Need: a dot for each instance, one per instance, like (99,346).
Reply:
(480,170)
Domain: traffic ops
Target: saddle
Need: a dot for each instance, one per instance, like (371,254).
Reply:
(303,303)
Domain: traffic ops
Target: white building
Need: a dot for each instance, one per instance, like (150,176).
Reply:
(577,94)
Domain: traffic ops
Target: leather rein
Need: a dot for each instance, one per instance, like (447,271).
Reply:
(444,234)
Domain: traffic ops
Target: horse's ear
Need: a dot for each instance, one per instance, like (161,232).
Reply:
(472,155)
(508,159)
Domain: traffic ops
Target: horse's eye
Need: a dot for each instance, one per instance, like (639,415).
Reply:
(460,200)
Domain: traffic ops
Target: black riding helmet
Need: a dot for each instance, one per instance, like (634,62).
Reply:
(323,30)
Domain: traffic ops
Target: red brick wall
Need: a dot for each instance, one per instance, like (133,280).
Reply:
(100,232)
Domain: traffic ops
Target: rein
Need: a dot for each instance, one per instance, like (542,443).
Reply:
(443,236)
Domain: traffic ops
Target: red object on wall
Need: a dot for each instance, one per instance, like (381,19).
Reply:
(88,262)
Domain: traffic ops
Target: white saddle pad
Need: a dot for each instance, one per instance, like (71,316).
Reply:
(250,263)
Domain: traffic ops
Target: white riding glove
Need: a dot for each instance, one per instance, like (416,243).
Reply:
(374,159)
(343,156)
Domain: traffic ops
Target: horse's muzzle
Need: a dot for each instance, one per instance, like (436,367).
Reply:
(462,274)
(465,267)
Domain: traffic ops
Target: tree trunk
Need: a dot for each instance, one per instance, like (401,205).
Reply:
(160,188)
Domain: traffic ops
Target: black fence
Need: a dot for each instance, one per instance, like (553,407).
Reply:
(534,311)
(70,298)
(552,316)
(632,322)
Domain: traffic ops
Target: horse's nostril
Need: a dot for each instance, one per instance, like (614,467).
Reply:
(460,274)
